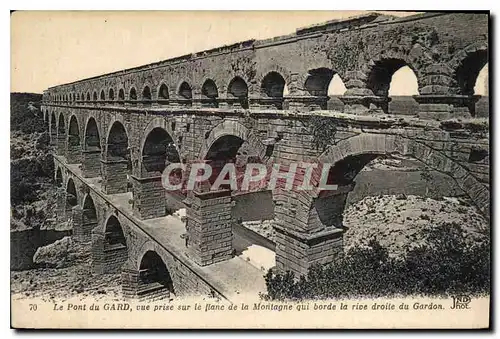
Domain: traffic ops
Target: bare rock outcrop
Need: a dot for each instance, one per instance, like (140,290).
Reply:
(55,255)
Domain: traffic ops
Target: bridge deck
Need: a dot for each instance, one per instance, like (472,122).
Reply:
(234,278)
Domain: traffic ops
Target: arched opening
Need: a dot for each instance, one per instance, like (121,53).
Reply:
(154,277)
(92,139)
(163,92)
(115,246)
(272,88)
(82,97)
(385,83)
(59,178)
(117,157)
(74,132)
(103,96)
(61,134)
(77,96)
(336,89)
(482,88)
(117,145)
(225,148)
(228,149)
(185,93)
(238,92)
(89,220)
(53,129)
(121,94)
(88,96)
(91,164)
(158,151)
(94,96)
(403,86)
(468,71)
(317,81)
(111,94)
(71,198)
(146,95)
(327,85)
(336,86)
(74,143)
(89,210)
(209,94)
(132,94)
(253,205)
(113,235)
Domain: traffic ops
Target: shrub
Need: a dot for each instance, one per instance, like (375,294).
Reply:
(29,167)
(447,264)
(21,117)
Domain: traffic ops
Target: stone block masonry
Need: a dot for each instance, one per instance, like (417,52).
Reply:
(74,154)
(107,258)
(298,252)
(149,197)
(209,227)
(91,164)
(134,286)
(114,176)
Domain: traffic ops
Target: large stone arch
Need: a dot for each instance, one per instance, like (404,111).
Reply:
(158,148)
(83,227)
(274,68)
(61,123)
(53,127)
(234,128)
(88,132)
(61,134)
(379,71)
(150,274)
(91,148)
(71,198)
(238,91)
(163,123)
(117,117)
(74,142)
(117,158)
(381,144)
(466,65)
(109,246)
(58,176)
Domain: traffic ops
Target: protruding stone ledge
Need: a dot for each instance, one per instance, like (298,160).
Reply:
(365,104)
(310,238)
(446,106)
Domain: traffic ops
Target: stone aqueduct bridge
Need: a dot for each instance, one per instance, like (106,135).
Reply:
(115,133)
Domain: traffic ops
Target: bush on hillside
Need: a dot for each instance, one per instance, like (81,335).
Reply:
(31,165)
(22,118)
(448,264)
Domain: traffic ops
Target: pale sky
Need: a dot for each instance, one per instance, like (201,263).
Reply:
(52,48)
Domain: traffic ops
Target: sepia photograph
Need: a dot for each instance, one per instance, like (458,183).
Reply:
(250,169)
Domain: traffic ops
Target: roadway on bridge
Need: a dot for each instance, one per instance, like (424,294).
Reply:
(236,278)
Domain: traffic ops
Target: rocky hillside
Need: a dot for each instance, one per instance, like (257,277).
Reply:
(32,191)
(399,222)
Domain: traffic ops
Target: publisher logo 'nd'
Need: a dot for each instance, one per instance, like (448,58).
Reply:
(461,302)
